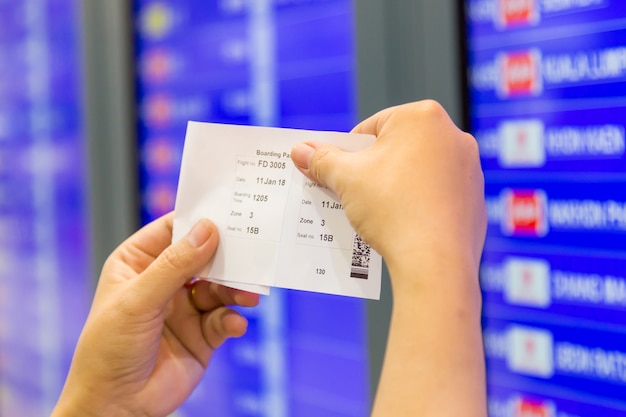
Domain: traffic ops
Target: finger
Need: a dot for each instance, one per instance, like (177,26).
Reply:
(221,324)
(141,248)
(321,163)
(408,115)
(374,124)
(207,296)
(177,263)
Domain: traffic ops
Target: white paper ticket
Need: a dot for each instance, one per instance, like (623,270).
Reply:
(277,228)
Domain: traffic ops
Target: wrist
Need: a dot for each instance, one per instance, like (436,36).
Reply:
(453,281)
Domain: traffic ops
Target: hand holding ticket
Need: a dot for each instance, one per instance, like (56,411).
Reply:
(277,228)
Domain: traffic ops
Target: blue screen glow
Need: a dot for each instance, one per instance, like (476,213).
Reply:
(547,102)
(45,277)
(285,63)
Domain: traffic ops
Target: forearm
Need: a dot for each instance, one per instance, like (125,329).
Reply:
(434,363)
(83,399)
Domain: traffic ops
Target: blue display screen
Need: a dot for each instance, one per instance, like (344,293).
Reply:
(547,104)
(45,279)
(285,63)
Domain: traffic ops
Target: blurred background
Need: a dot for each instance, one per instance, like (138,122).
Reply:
(94,100)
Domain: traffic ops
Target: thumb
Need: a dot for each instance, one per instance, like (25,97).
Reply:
(321,163)
(178,263)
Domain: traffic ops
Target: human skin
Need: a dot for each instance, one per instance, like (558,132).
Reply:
(145,345)
(416,196)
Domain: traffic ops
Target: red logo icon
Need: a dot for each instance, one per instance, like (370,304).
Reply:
(527,282)
(520,73)
(160,199)
(521,143)
(157,65)
(530,351)
(526,407)
(517,12)
(159,110)
(525,213)
(160,155)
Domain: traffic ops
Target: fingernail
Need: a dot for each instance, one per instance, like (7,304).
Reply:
(302,154)
(199,234)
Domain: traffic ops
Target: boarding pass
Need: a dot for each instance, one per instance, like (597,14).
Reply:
(277,228)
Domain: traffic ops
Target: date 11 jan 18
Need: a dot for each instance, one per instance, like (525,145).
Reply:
(332,205)
(271,181)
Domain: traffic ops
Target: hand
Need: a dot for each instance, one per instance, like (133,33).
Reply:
(416,196)
(416,193)
(148,339)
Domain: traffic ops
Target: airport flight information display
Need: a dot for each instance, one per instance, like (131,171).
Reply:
(284,63)
(45,276)
(547,104)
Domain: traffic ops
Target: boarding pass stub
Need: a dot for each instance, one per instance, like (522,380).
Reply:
(277,228)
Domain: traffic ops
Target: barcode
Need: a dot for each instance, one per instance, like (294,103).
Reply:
(360,258)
